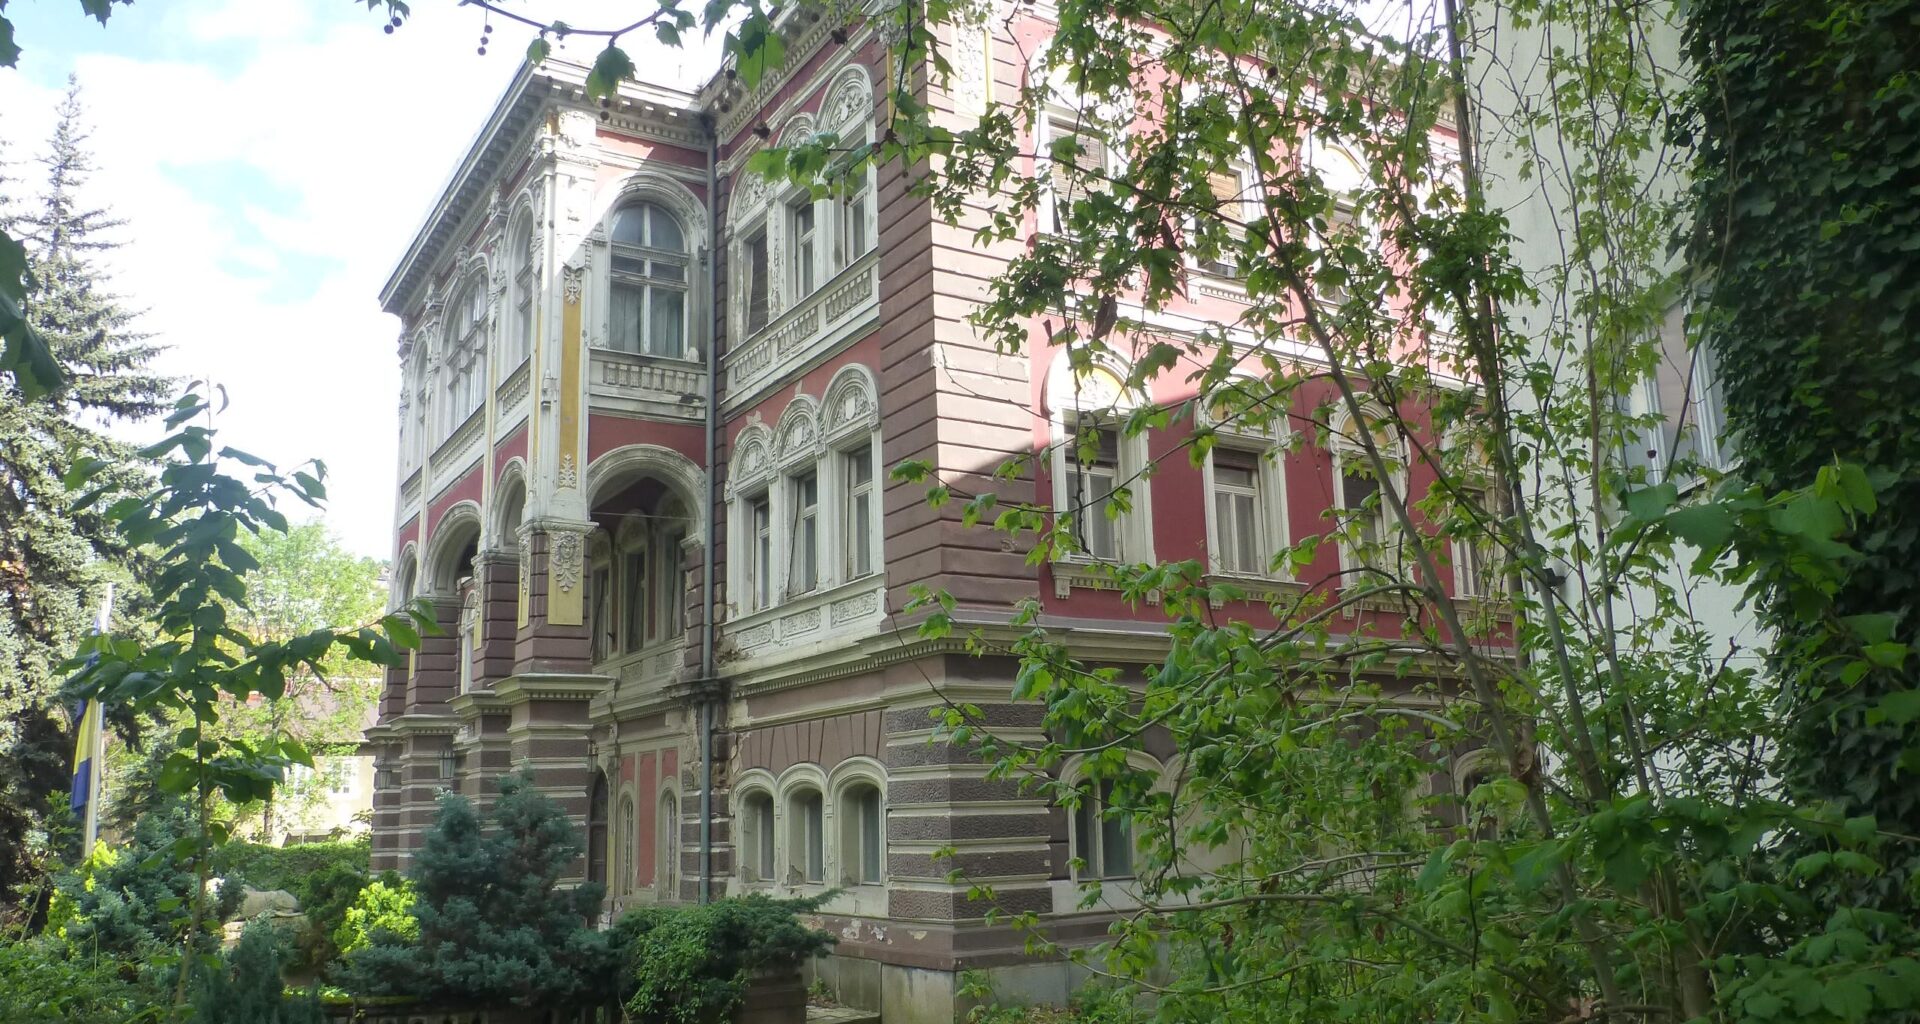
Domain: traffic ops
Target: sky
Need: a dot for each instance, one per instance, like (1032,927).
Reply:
(272,159)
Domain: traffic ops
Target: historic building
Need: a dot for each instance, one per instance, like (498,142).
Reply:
(649,407)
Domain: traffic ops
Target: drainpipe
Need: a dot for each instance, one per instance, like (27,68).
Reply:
(706,556)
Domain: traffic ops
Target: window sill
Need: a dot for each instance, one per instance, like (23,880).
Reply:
(1254,588)
(828,614)
(457,446)
(843,304)
(1079,572)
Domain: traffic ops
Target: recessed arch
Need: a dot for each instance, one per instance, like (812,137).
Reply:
(406,575)
(509,506)
(797,437)
(448,561)
(624,465)
(850,403)
(660,189)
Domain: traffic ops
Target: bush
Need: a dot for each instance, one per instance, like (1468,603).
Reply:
(42,983)
(132,901)
(292,868)
(384,905)
(329,894)
(495,927)
(250,988)
(692,965)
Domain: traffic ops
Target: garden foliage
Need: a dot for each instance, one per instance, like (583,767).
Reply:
(692,965)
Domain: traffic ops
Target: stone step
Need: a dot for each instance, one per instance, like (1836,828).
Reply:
(841,1015)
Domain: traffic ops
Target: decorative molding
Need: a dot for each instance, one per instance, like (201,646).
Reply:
(807,331)
(515,389)
(832,618)
(459,445)
(573,278)
(1260,589)
(1075,574)
(563,560)
(568,478)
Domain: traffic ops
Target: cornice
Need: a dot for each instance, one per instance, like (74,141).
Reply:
(520,689)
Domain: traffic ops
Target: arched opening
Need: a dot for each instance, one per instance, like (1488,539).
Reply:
(862,834)
(756,836)
(638,585)
(806,836)
(666,861)
(597,829)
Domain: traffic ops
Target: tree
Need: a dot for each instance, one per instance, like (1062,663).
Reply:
(304,581)
(54,557)
(1617,853)
(494,925)
(190,660)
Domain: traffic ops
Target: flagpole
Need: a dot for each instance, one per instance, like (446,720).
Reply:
(97,770)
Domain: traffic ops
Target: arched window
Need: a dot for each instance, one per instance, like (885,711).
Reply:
(597,830)
(466,356)
(1371,543)
(520,334)
(756,836)
(666,861)
(629,827)
(1102,840)
(806,836)
(863,850)
(649,282)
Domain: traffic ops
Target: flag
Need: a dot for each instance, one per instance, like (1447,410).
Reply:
(86,747)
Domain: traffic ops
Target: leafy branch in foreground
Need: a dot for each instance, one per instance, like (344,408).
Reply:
(192,661)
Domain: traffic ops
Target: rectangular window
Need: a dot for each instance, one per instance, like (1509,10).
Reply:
(1103,841)
(1092,487)
(1229,190)
(1236,512)
(600,586)
(670,621)
(1360,496)
(1077,164)
(758,287)
(1473,551)
(760,555)
(803,569)
(800,223)
(850,223)
(808,850)
(634,599)
(856,541)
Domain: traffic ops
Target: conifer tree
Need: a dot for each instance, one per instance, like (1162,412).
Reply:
(496,925)
(54,559)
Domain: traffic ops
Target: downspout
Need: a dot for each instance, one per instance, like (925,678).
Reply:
(706,696)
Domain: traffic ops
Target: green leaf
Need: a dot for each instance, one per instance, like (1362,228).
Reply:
(1887,655)
(538,50)
(1706,527)
(99,9)
(1848,998)
(612,67)
(1650,504)
(1874,628)
(9,50)
(1899,708)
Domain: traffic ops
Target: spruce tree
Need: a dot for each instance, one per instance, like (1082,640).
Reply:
(496,925)
(53,557)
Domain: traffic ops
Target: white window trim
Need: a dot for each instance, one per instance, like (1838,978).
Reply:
(751,783)
(859,771)
(1272,531)
(1067,408)
(1250,201)
(1115,893)
(790,873)
(685,259)
(1343,450)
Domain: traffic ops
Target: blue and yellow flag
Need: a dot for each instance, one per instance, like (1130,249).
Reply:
(86,747)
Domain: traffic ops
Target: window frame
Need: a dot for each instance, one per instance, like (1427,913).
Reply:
(757,813)
(1344,451)
(855,825)
(803,245)
(803,851)
(756,284)
(646,282)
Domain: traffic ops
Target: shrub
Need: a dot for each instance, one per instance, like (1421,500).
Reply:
(292,868)
(43,983)
(494,924)
(692,965)
(131,901)
(249,987)
(384,905)
(328,894)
